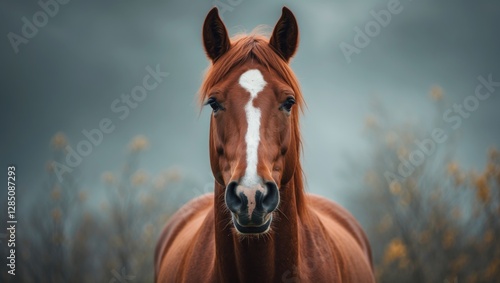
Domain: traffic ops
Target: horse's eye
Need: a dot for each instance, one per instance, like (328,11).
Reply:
(214,104)
(287,105)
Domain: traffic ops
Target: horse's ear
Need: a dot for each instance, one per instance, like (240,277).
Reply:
(215,37)
(285,37)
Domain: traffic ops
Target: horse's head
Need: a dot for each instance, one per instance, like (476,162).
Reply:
(254,140)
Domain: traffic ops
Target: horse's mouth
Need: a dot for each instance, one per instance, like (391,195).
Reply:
(253,229)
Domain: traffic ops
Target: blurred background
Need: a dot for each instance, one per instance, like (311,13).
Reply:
(379,79)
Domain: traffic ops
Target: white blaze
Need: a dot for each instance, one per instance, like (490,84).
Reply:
(253,82)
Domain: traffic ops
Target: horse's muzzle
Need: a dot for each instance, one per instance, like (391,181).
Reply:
(252,208)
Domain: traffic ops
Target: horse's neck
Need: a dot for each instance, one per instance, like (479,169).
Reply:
(250,258)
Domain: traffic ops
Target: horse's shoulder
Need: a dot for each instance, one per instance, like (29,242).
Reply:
(334,211)
(178,221)
(330,207)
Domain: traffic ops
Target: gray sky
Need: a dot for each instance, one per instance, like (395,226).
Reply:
(66,77)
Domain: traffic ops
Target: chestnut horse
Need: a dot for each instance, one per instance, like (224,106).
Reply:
(259,225)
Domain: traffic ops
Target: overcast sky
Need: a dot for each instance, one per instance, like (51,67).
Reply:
(67,75)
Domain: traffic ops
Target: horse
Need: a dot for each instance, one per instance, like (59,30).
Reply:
(259,225)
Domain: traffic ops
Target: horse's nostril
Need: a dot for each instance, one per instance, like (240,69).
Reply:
(271,198)
(241,199)
(233,201)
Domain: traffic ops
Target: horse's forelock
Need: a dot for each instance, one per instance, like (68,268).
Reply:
(244,47)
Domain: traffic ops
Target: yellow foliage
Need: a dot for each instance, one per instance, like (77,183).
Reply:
(459,179)
(391,139)
(488,237)
(492,270)
(405,199)
(456,213)
(395,188)
(56,214)
(139,178)
(403,263)
(371,178)
(436,93)
(56,193)
(459,263)
(490,170)
(159,183)
(108,178)
(371,122)
(411,183)
(448,239)
(385,223)
(493,154)
(472,278)
(49,167)
(59,141)
(482,189)
(173,174)
(379,271)
(436,195)
(402,152)
(453,168)
(395,250)
(147,200)
(139,143)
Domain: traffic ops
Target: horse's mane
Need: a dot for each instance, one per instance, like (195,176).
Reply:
(256,46)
